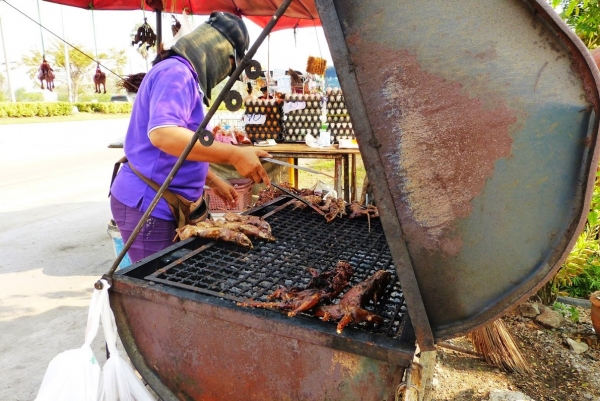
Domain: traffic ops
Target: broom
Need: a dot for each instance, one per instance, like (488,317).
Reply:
(496,345)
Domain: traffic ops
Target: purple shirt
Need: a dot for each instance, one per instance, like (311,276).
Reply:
(169,95)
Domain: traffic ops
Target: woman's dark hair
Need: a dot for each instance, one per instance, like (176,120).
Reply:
(162,54)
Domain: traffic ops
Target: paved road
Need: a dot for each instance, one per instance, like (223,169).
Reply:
(54,211)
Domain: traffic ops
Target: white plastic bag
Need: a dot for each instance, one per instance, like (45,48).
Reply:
(74,375)
(120,382)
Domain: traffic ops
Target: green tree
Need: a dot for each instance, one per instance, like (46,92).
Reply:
(583,16)
(82,67)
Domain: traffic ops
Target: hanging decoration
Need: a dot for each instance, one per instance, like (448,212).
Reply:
(46,73)
(99,79)
(144,34)
(175,25)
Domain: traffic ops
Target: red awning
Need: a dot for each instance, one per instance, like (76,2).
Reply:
(300,13)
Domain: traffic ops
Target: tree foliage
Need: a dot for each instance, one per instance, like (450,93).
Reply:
(82,66)
(583,16)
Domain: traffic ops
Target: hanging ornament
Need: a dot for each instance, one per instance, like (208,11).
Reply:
(146,35)
(46,73)
(99,80)
(175,25)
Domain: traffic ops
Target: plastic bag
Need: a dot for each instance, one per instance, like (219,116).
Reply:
(74,375)
(120,382)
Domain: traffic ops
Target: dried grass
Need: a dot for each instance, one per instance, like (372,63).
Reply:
(497,346)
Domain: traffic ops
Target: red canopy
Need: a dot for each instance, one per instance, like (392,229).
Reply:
(300,13)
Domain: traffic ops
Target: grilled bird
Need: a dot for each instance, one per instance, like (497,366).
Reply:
(216,233)
(322,287)
(351,306)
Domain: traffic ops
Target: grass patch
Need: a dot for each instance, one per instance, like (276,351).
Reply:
(308,180)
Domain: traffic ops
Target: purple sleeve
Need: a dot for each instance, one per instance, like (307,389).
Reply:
(174,94)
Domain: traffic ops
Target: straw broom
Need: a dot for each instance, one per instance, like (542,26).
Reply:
(496,345)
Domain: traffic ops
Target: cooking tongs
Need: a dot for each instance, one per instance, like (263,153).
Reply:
(293,195)
(310,170)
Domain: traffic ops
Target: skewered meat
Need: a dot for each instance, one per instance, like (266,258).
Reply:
(313,199)
(321,288)
(217,233)
(351,306)
(337,207)
(254,220)
(236,228)
(358,210)
(246,228)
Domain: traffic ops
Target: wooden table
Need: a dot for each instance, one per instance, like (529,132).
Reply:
(345,163)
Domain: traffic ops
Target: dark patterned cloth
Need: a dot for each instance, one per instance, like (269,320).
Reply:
(234,29)
(209,47)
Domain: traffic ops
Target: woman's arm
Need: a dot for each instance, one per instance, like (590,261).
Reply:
(173,140)
(223,189)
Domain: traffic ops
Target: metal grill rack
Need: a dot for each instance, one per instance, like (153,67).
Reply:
(304,239)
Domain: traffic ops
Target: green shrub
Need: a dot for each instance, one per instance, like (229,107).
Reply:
(51,109)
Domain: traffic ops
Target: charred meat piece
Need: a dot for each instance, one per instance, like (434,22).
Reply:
(254,220)
(337,207)
(235,228)
(358,210)
(312,199)
(216,233)
(322,287)
(351,310)
(246,228)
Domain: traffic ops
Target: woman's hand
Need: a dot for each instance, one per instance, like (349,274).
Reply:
(224,190)
(246,161)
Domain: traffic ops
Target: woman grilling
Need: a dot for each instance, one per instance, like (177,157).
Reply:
(167,111)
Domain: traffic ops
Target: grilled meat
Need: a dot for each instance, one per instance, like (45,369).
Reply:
(322,287)
(351,306)
(216,233)
(254,220)
(248,229)
(358,210)
(235,228)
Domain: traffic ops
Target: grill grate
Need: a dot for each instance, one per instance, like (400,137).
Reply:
(304,239)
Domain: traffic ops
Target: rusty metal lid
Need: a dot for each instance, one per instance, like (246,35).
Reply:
(477,123)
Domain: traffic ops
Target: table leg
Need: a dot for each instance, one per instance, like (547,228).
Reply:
(353,178)
(338,173)
(346,179)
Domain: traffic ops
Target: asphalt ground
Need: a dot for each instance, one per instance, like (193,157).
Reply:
(54,245)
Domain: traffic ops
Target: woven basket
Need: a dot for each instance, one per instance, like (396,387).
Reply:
(243,186)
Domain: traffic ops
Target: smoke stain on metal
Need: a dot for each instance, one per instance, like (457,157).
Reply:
(443,143)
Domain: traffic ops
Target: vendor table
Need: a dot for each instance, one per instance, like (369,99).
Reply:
(345,163)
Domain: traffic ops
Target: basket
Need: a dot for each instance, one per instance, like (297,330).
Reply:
(243,186)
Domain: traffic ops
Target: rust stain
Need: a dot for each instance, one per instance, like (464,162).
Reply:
(440,143)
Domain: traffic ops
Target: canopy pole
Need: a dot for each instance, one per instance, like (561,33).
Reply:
(158,29)
(94,29)
(67,60)
(41,31)
(12,94)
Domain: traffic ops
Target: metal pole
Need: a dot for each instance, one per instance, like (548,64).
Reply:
(94,28)
(12,94)
(198,134)
(41,31)
(67,61)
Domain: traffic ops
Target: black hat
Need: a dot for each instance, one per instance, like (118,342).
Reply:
(233,28)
